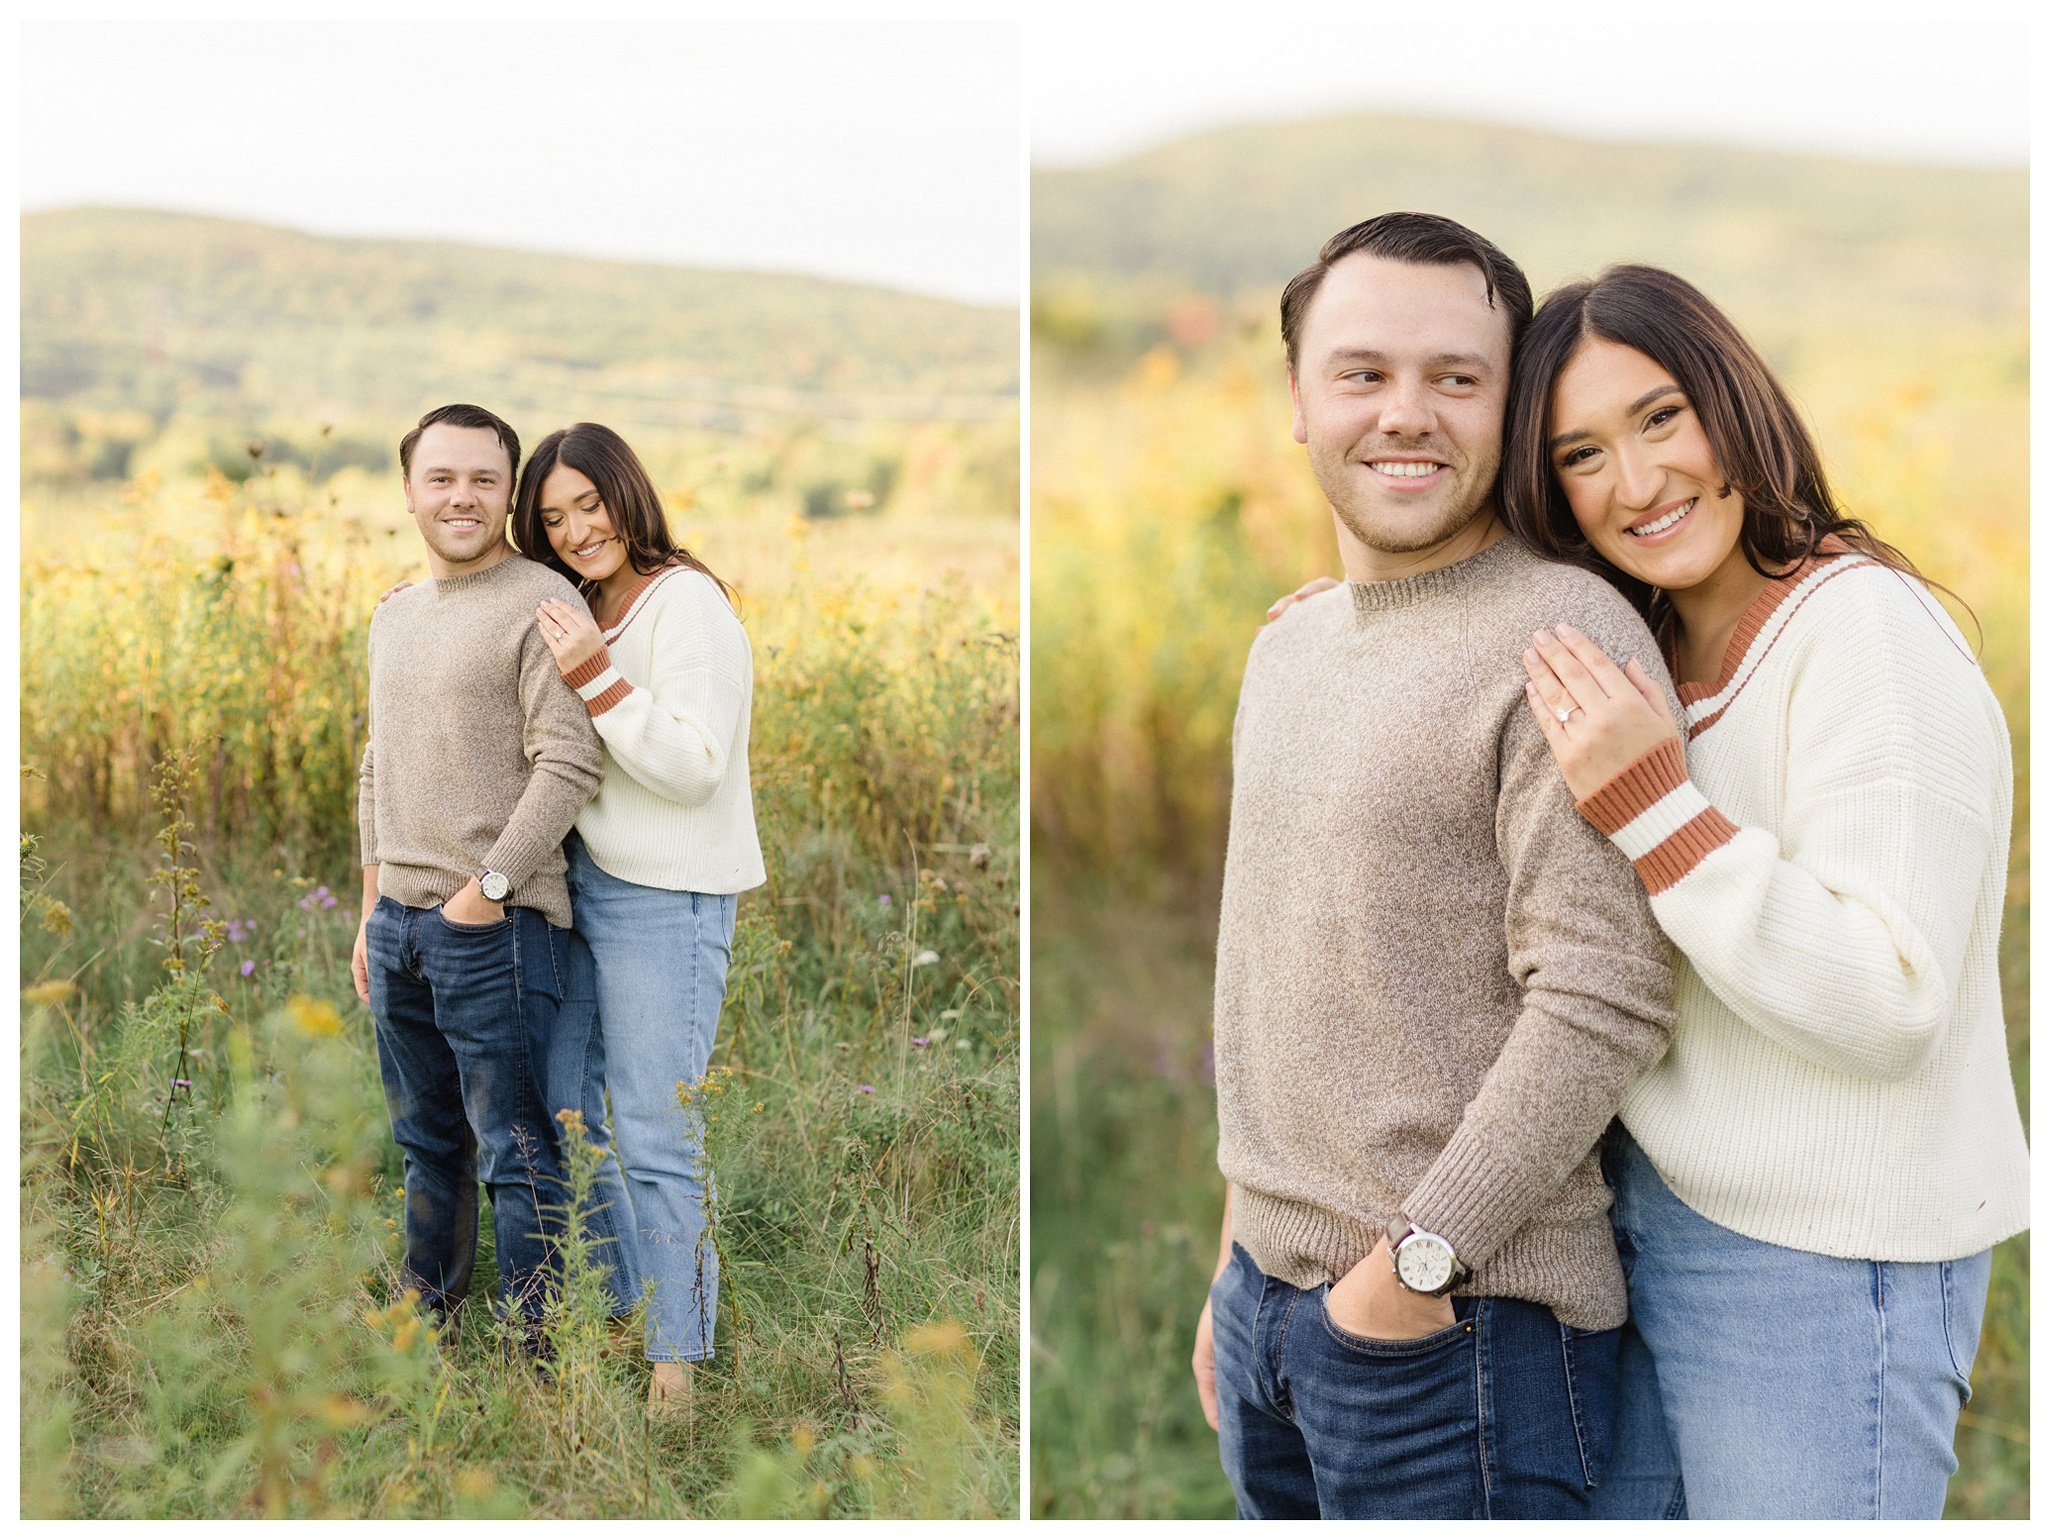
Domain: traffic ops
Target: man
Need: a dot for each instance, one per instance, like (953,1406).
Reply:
(479,760)
(1434,978)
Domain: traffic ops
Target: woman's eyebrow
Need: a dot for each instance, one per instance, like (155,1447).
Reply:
(1560,440)
(1648,397)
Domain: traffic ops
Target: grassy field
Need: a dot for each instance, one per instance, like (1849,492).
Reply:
(209,1210)
(1169,507)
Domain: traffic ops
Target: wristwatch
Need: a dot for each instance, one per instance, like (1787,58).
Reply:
(495,885)
(1424,1263)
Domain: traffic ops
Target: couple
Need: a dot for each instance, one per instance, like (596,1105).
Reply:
(553,736)
(1452,894)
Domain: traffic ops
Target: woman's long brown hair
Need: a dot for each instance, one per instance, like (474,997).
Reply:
(1760,444)
(624,486)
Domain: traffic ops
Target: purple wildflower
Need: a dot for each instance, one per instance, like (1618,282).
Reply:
(883,899)
(248,967)
(866,1090)
(920,1042)
(185,1085)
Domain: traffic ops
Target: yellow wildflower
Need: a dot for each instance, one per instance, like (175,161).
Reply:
(316,1018)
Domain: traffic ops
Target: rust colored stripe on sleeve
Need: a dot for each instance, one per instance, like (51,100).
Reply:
(589,669)
(1684,849)
(1636,787)
(609,697)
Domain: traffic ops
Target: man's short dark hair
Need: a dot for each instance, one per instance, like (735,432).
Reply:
(1426,240)
(460,415)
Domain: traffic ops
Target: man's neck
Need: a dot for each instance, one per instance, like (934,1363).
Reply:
(1365,564)
(455,569)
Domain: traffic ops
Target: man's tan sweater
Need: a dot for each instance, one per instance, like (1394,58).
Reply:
(1435,979)
(479,755)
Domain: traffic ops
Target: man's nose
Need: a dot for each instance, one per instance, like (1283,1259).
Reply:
(1406,411)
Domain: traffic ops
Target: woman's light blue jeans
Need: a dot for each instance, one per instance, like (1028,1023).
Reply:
(1762,1382)
(662,959)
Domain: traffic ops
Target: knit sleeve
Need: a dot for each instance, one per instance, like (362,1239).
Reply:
(674,734)
(366,790)
(1842,937)
(366,806)
(564,763)
(1597,1011)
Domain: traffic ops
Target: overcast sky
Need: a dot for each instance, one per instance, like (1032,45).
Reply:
(885,152)
(889,152)
(1922,82)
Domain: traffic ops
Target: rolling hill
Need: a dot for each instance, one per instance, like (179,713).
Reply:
(131,317)
(1848,245)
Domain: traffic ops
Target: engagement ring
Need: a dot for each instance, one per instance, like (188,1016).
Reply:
(1564,712)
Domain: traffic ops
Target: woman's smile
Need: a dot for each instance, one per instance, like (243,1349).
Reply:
(1664,520)
(1638,471)
(579,528)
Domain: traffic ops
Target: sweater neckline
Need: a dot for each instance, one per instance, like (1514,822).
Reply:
(1753,622)
(1403,592)
(630,603)
(464,581)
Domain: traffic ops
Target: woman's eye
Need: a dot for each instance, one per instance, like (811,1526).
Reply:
(1662,416)
(1574,457)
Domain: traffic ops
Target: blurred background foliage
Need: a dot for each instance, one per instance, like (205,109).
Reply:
(1170,506)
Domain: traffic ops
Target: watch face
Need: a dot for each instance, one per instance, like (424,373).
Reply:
(1424,1263)
(494,886)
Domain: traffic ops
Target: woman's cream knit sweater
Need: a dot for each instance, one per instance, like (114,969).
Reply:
(1831,860)
(669,694)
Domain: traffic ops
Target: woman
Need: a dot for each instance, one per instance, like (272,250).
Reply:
(662,850)
(1813,1177)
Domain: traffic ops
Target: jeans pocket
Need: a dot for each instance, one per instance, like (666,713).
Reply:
(463,929)
(1387,1351)
(1592,1362)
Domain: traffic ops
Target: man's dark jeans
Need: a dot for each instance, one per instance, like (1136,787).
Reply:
(1505,1414)
(465,1015)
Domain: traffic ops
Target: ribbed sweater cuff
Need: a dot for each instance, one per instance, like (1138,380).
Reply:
(1472,1198)
(1658,817)
(1632,790)
(598,684)
(516,857)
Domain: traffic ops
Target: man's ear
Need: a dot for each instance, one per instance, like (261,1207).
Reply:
(1295,399)
(406,486)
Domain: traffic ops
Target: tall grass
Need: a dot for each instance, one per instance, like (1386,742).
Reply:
(1170,506)
(210,1217)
